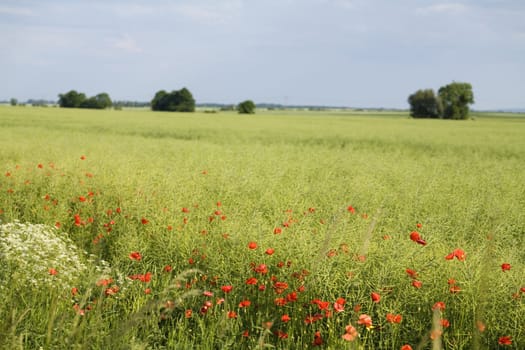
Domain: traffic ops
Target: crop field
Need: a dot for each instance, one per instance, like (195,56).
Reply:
(135,229)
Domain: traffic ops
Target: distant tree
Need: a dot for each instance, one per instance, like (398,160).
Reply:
(103,101)
(246,107)
(425,104)
(186,102)
(175,101)
(159,101)
(13,102)
(74,99)
(456,98)
(71,99)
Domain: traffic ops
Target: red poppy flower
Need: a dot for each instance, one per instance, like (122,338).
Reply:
(459,254)
(226,289)
(339,305)
(168,268)
(505,267)
(455,289)
(74,291)
(245,303)
(365,320)
(104,282)
(262,269)
(281,335)
(285,318)
(391,318)
(350,333)
(78,220)
(277,230)
(147,291)
(445,323)
(135,256)
(252,245)
(375,297)
(269,251)
(411,273)
(317,339)
(291,297)
(232,314)
(481,326)
(351,209)
(279,301)
(52,272)
(280,285)
(406,347)
(439,306)
(82,199)
(111,291)
(323,305)
(188,313)
(251,280)
(450,256)
(505,340)
(414,235)
(144,221)
(417,284)
(419,225)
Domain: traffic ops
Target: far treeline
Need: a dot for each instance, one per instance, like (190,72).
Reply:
(175,101)
(451,102)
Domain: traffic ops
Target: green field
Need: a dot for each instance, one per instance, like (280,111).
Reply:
(157,214)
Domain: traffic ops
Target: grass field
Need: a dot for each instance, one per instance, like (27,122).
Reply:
(282,229)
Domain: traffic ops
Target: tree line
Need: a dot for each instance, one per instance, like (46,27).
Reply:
(175,101)
(74,99)
(451,102)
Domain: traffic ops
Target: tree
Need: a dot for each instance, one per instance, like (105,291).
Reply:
(157,104)
(425,104)
(175,101)
(74,99)
(71,99)
(246,107)
(456,98)
(13,102)
(103,101)
(186,102)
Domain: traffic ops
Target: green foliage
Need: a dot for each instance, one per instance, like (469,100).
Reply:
(13,101)
(456,98)
(452,102)
(175,101)
(209,185)
(71,99)
(246,107)
(74,99)
(425,104)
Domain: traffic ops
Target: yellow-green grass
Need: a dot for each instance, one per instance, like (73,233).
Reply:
(463,181)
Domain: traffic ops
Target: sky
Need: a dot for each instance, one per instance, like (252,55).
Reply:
(351,53)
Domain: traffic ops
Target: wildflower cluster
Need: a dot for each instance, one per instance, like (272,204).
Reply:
(38,255)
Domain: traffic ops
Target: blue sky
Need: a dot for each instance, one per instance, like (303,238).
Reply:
(355,53)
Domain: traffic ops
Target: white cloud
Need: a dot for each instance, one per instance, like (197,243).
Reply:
(127,43)
(451,8)
(17,11)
